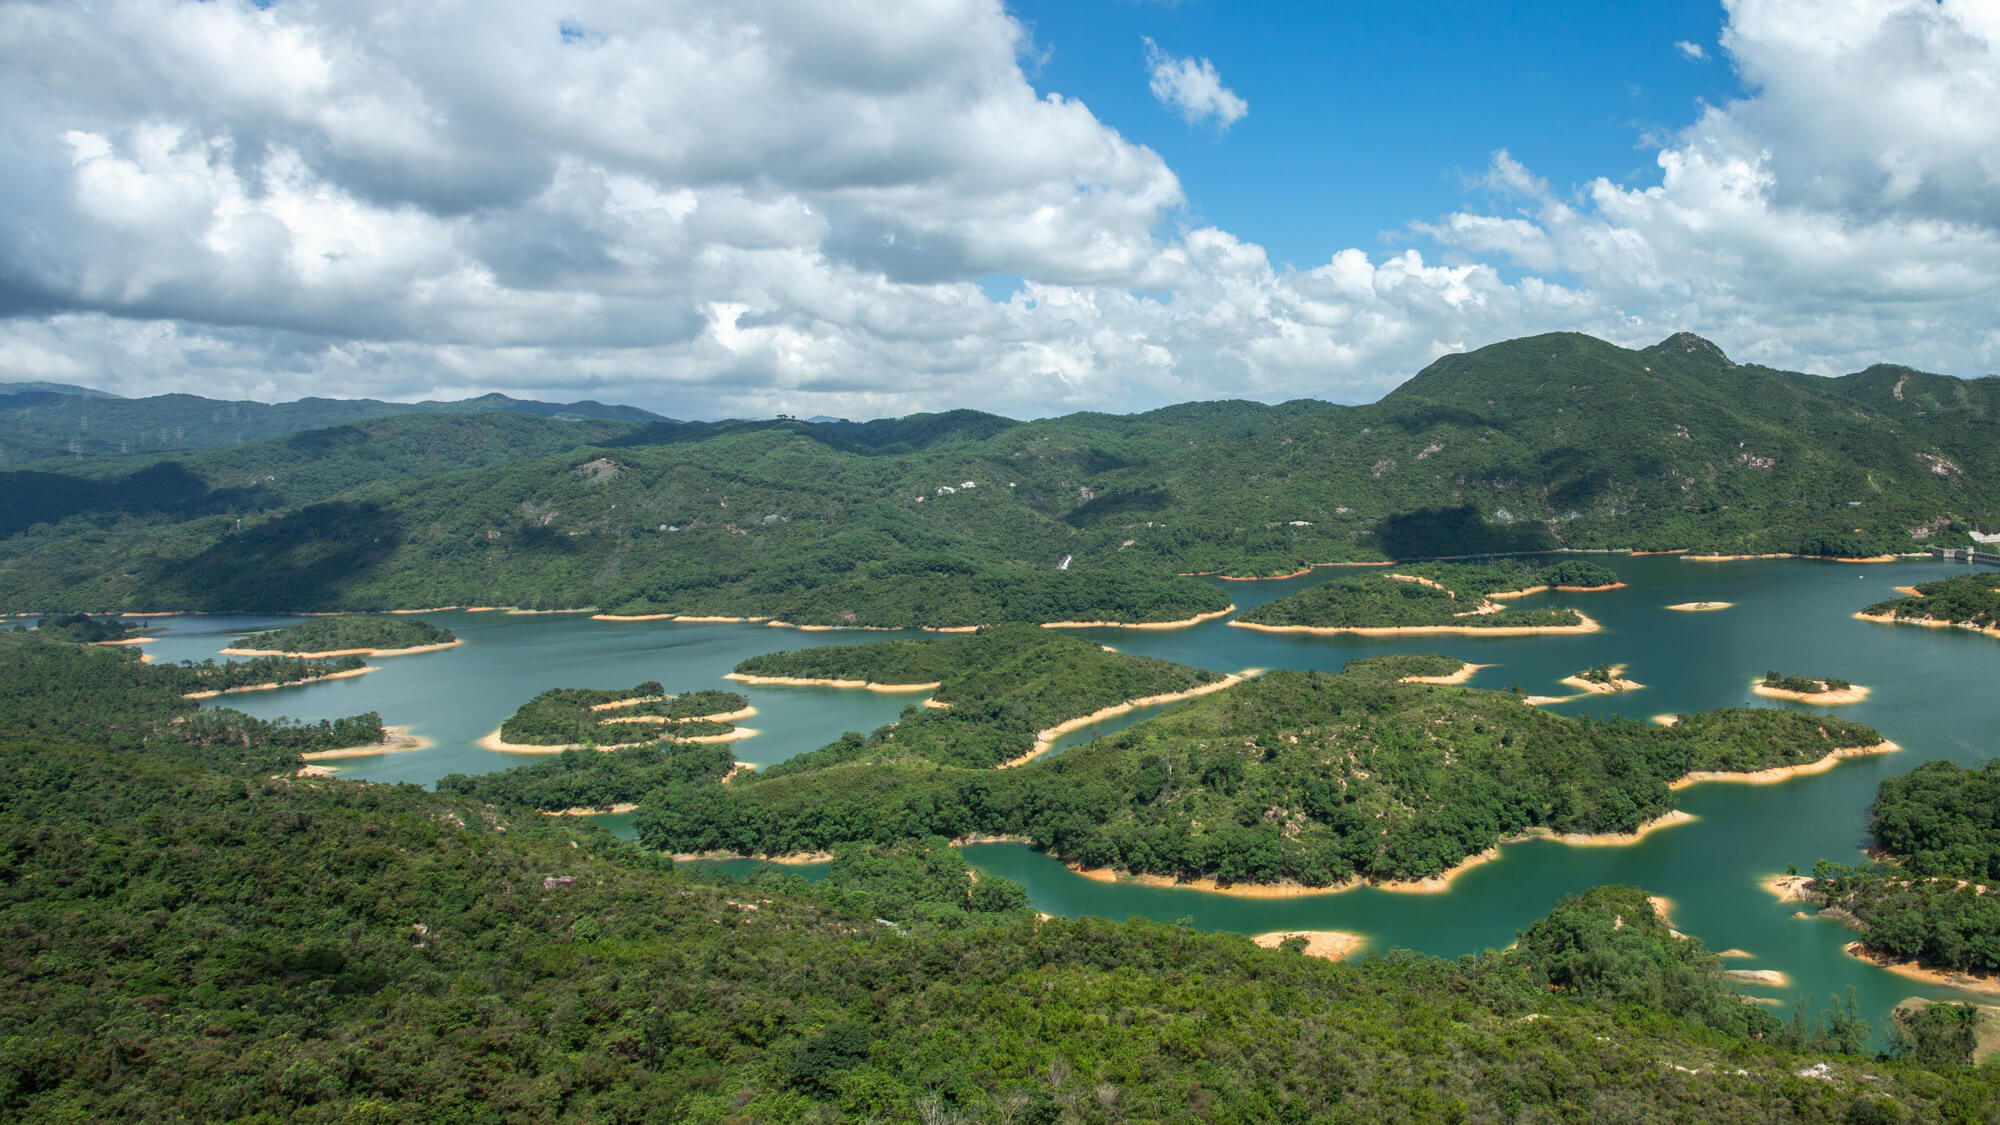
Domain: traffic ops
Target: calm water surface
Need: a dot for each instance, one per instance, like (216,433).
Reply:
(1931,696)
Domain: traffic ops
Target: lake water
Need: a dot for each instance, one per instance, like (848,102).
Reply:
(1790,615)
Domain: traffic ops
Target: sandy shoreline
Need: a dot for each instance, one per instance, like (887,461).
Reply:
(1334,945)
(1777,774)
(125,641)
(1854,694)
(806,681)
(368,652)
(1617,683)
(1926,622)
(396,740)
(493,741)
(349,674)
(607,810)
(1504,595)
(1700,607)
(1181,624)
(662,720)
(1949,978)
(1464,673)
(1587,625)
(1046,739)
(634,701)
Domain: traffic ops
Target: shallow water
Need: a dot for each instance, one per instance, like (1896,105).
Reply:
(1790,615)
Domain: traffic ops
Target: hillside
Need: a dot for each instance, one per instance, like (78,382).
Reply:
(1549,442)
(51,420)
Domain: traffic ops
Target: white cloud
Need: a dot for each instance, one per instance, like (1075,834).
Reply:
(1692,50)
(1191,88)
(789,206)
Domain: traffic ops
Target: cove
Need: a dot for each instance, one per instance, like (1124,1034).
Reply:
(1790,615)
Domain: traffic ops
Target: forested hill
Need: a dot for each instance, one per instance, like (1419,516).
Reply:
(1549,442)
(51,420)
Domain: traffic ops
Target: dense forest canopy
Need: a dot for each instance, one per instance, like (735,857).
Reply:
(347,632)
(1381,601)
(611,717)
(1547,443)
(1971,600)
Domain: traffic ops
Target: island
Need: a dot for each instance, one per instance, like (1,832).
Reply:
(85,629)
(592,718)
(1824,691)
(1964,601)
(207,679)
(1288,782)
(1922,903)
(1700,607)
(347,634)
(1602,679)
(1425,598)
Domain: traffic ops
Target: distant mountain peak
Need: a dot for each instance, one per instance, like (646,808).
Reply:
(1687,343)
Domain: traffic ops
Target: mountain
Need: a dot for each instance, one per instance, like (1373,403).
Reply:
(1548,442)
(43,420)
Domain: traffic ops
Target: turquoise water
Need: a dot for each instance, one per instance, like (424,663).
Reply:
(1791,615)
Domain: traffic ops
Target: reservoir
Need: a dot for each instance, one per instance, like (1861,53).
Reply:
(1789,615)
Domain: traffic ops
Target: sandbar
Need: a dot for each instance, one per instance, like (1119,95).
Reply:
(515,612)
(1181,624)
(1502,595)
(1046,739)
(127,641)
(368,652)
(1667,720)
(1776,774)
(632,616)
(807,681)
(634,701)
(607,810)
(395,740)
(718,717)
(1851,694)
(1950,978)
(435,609)
(1586,625)
(1700,607)
(1545,700)
(1739,558)
(316,771)
(1334,945)
(788,858)
(1617,683)
(1463,674)
(1788,888)
(1606,839)
(493,741)
(683,618)
(1910,591)
(349,674)
(1770,978)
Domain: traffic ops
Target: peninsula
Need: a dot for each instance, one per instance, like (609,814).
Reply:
(351,634)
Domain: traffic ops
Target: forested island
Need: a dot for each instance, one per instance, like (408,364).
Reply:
(999,695)
(1965,601)
(1290,778)
(1821,690)
(85,629)
(1434,598)
(1924,900)
(207,679)
(585,718)
(347,634)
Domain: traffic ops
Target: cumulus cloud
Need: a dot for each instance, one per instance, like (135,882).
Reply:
(1692,50)
(1192,89)
(782,205)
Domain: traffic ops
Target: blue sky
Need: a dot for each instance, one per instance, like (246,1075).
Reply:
(1364,116)
(869,207)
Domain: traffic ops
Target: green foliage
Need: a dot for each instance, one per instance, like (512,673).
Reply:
(1937,1034)
(1970,600)
(1293,776)
(1805,685)
(348,631)
(1399,666)
(470,964)
(1451,596)
(594,779)
(83,628)
(588,717)
(1942,819)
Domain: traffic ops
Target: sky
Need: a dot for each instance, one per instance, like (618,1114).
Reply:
(865,208)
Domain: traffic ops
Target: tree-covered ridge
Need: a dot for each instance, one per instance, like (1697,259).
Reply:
(85,629)
(594,779)
(1804,685)
(1970,600)
(259,671)
(1295,776)
(348,632)
(1381,601)
(472,964)
(1546,443)
(600,717)
(1000,687)
(1924,899)
(107,697)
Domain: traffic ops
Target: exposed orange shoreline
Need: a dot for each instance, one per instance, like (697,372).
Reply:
(368,652)
(493,741)
(395,740)
(1464,673)
(1180,624)
(1828,698)
(1504,595)
(1436,884)
(1776,774)
(1949,978)
(1586,625)
(1926,622)
(1334,945)
(349,674)
(808,681)
(1046,739)
(606,810)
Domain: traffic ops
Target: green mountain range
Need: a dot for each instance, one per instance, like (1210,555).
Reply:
(1544,443)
